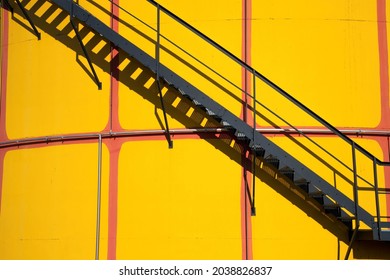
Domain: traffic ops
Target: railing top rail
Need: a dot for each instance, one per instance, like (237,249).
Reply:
(270,83)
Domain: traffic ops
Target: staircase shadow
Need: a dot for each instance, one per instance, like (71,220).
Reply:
(178,107)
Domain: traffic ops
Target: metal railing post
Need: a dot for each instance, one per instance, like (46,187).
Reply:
(355,188)
(254,106)
(158,42)
(168,134)
(378,213)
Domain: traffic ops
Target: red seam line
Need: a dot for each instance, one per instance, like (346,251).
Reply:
(4,74)
(4,68)
(383,63)
(384,75)
(246,225)
(113,149)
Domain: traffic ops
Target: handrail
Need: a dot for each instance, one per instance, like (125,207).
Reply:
(271,84)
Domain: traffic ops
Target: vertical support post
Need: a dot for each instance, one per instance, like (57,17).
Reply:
(167,132)
(29,19)
(99,84)
(355,195)
(254,104)
(253,210)
(378,213)
(97,246)
(6,3)
(355,187)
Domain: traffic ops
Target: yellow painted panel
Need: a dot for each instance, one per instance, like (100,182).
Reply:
(103,233)
(181,203)
(214,18)
(100,9)
(283,231)
(325,53)
(49,203)
(49,84)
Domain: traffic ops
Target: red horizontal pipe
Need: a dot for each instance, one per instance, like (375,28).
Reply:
(183,131)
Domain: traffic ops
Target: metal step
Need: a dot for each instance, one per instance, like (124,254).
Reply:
(183,93)
(168,82)
(329,206)
(241,137)
(347,221)
(258,150)
(213,115)
(225,124)
(333,209)
(288,172)
(271,160)
(199,105)
(303,184)
(318,196)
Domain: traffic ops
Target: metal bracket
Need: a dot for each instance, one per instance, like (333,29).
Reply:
(24,11)
(99,84)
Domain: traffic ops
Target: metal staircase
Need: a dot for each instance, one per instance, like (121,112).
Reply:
(340,207)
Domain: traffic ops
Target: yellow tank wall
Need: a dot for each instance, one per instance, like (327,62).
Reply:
(187,202)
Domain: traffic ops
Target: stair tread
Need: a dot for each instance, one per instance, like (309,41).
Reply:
(316,193)
(332,205)
(183,92)
(225,123)
(286,169)
(210,113)
(197,103)
(271,160)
